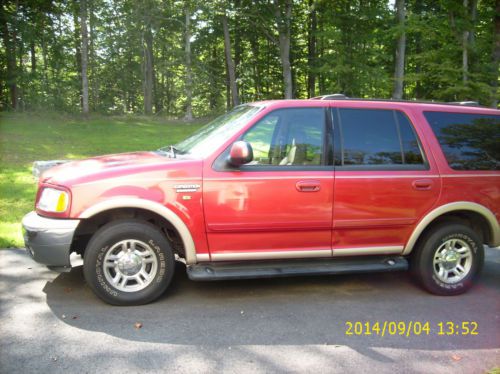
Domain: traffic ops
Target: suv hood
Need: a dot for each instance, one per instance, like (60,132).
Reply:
(103,167)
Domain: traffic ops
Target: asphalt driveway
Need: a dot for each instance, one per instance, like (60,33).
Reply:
(52,323)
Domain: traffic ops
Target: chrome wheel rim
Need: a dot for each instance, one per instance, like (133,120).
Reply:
(130,265)
(452,261)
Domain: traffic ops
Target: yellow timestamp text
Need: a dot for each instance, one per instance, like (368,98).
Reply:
(411,328)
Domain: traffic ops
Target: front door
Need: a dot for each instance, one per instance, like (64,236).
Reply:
(280,204)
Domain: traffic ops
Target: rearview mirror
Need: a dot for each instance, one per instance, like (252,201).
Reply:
(241,153)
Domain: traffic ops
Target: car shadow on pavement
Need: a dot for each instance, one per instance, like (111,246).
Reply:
(288,311)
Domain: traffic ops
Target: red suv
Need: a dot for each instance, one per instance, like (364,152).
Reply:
(281,188)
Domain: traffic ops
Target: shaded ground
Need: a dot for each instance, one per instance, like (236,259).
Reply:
(53,323)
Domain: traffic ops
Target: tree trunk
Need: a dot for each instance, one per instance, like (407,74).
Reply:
(33,56)
(473,18)
(256,67)
(212,100)
(189,79)
(238,51)
(45,76)
(283,21)
(465,48)
(77,35)
(148,69)
(228,92)
(496,56)
(84,52)
(417,9)
(399,69)
(311,49)
(229,63)
(320,52)
(94,83)
(10,56)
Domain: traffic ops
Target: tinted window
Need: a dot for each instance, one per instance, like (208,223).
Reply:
(469,141)
(292,136)
(375,137)
(411,148)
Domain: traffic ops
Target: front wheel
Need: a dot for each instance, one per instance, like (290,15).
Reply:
(128,262)
(448,259)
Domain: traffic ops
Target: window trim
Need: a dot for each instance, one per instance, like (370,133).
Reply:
(221,164)
(337,128)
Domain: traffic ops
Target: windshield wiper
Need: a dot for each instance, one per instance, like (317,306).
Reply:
(170,150)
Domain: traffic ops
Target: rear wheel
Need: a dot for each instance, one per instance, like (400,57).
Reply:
(128,262)
(448,259)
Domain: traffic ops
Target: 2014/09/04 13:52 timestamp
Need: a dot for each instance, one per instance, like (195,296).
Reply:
(411,328)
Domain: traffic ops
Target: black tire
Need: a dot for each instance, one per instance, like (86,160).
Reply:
(433,244)
(149,240)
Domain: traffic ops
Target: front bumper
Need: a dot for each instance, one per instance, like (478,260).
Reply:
(48,240)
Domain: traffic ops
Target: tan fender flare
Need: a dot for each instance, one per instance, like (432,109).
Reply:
(152,206)
(447,208)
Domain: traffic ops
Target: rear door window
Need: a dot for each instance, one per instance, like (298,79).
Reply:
(374,139)
(469,141)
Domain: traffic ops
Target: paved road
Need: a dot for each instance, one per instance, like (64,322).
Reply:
(52,323)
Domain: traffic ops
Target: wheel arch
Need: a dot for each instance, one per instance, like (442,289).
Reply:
(152,207)
(492,236)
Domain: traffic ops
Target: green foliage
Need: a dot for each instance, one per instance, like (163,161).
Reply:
(27,138)
(353,49)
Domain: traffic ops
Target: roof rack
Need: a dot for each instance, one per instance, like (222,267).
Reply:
(336,96)
(339,96)
(464,103)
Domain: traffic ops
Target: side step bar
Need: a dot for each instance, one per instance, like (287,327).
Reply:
(255,269)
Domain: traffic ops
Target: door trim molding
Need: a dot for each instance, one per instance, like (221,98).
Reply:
(269,255)
(360,251)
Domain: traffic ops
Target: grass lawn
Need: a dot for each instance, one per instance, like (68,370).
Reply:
(25,138)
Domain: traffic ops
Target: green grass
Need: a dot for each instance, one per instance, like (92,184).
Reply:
(25,138)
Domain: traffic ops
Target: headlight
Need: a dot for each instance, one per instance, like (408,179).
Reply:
(52,200)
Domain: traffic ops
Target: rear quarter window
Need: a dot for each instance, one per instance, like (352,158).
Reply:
(468,141)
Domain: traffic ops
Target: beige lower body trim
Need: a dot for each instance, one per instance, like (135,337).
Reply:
(270,255)
(170,216)
(277,255)
(360,251)
(203,257)
(451,207)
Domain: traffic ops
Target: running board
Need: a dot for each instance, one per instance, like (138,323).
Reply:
(268,269)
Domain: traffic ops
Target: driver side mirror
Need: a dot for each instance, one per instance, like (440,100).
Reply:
(241,153)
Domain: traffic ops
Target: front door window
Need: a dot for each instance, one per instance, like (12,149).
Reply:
(289,137)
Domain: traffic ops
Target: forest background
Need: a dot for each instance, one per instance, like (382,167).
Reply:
(185,59)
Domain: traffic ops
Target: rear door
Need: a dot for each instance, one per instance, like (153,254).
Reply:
(384,181)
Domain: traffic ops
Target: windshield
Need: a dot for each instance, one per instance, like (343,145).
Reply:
(212,135)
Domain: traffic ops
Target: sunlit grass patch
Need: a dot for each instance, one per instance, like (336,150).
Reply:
(25,138)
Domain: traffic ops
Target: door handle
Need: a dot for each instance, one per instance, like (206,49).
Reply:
(308,186)
(422,184)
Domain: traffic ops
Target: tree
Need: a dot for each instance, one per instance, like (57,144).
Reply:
(148,67)
(311,49)
(84,57)
(495,56)
(399,69)
(230,63)
(187,51)
(9,40)
(283,13)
